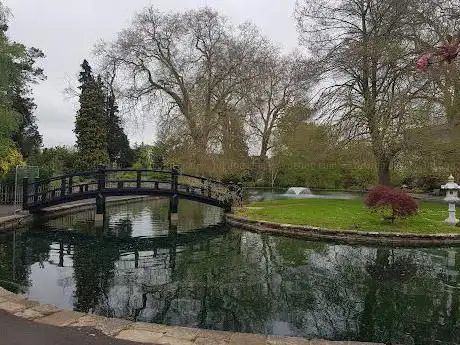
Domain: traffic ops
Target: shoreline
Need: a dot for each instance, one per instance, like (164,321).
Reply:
(20,219)
(20,306)
(344,236)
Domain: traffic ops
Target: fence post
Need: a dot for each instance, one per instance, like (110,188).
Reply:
(36,189)
(174,178)
(25,192)
(70,184)
(100,199)
(174,201)
(101,178)
(139,179)
(63,186)
(202,184)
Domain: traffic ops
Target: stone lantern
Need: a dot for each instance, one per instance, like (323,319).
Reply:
(451,197)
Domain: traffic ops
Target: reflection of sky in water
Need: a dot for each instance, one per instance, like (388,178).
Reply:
(53,284)
(238,280)
(146,223)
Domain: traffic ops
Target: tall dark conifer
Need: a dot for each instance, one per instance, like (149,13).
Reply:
(118,143)
(90,122)
(27,137)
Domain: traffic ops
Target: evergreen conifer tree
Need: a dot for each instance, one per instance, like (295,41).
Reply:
(118,143)
(90,122)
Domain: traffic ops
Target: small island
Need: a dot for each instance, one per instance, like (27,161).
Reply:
(346,215)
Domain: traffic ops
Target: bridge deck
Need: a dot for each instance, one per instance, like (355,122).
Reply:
(43,193)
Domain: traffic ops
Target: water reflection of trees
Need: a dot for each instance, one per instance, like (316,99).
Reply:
(382,295)
(94,264)
(249,282)
(17,254)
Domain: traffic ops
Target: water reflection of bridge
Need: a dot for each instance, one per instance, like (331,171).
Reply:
(240,275)
(67,239)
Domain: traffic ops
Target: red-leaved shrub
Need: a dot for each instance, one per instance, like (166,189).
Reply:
(391,202)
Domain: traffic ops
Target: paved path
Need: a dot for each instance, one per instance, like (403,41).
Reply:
(17,331)
(8,210)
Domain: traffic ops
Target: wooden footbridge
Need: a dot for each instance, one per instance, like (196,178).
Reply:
(39,194)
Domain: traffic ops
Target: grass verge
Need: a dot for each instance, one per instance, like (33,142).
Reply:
(347,215)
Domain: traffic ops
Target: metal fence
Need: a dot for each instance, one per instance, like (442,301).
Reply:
(7,196)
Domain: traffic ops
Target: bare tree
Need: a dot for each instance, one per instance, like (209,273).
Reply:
(283,81)
(192,62)
(367,62)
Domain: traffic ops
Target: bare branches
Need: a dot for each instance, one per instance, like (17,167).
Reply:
(282,82)
(367,55)
(196,59)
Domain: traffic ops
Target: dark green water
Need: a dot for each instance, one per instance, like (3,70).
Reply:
(139,268)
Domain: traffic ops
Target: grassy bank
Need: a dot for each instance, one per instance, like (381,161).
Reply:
(346,215)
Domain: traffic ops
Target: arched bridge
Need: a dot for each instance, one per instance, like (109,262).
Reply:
(42,193)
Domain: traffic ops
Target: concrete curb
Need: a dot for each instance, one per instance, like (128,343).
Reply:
(14,221)
(345,236)
(19,220)
(142,332)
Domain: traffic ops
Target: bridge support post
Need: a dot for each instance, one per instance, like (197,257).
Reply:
(100,210)
(173,208)
(100,204)
(174,200)
(100,198)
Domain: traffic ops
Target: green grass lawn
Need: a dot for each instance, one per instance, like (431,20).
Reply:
(346,215)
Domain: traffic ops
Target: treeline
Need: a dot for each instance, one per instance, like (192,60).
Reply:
(353,113)
(19,136)
(227,102)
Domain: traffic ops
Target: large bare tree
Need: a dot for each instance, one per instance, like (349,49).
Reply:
(284,81)
(367,60)
(192,61)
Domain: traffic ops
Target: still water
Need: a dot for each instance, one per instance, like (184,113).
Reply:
(205,275)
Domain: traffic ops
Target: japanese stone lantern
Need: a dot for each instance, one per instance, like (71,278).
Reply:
(451,197)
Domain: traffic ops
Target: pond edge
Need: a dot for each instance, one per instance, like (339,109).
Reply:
(19,306)
(346,236)
(22,218)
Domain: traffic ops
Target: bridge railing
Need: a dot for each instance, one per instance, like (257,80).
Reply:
(208,187)
(40,191)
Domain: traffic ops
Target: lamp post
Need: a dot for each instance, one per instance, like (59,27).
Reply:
(451,197)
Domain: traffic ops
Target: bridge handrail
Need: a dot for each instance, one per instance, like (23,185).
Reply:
(139,170)
(95,172)
(66,176)
(104,181)
(206,179)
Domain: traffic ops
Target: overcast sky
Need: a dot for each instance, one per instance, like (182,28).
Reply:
(66,30)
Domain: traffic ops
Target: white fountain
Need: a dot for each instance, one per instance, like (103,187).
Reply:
(299,191)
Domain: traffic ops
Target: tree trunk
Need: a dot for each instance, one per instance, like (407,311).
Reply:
(199,154)
(264,147)
(383,171)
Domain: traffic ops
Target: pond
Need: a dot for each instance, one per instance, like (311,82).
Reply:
(202,274)
(259,194)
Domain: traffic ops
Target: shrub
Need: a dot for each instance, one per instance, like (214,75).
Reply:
(430,182)
(391,203)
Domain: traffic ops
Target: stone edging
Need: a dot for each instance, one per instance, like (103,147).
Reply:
(22,218)
(15,221)
(348,236)
(140,331)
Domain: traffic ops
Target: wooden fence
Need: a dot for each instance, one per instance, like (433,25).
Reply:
(7,195)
